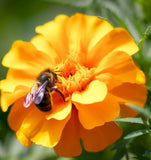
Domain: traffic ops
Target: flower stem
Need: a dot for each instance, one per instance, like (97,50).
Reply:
(140,43)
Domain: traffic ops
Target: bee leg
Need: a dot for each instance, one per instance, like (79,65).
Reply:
(58,82)
(60,94)
(56,89)
(53,88)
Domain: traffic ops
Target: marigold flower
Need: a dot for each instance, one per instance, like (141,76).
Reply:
(98,79)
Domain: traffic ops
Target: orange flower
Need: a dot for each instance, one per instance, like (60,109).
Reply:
(98,77)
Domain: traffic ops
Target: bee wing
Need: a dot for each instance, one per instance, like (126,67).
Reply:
(28,100)
(29,97)
(39,93)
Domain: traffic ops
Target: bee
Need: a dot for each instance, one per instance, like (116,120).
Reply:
(40,91)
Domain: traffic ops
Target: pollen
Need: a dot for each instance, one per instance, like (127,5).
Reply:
(75,77)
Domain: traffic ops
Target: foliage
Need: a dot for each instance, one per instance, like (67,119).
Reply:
(18,20)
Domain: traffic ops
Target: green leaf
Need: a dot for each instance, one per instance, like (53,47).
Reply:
(137,133)
(121,144)
(131,120)
(121,148)
(144,111)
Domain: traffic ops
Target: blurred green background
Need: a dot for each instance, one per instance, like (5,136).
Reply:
(18,19)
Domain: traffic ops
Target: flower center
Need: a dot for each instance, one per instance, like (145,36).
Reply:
(75,77)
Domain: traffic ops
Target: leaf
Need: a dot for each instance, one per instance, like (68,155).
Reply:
(121,148)
(121,144)
(130,120)
(137,133)
(144,111)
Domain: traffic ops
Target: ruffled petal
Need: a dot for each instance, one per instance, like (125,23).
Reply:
(8,98)
(89,30)
(16,85)
(120,70)
(55,34)
(24,56)
(87,97)
(16,78)
(96,114)
(120,64)
(30,125)
(32,122)
(69,144)
(140,77)
(23,139)
(101,137)
(43,45)
(17,114)
(109,79)
(130,93)
(116,40)
(50,132)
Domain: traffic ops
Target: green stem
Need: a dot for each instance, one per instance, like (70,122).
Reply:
(127,157)
(140,43)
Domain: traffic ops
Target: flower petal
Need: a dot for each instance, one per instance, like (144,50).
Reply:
(101,137)
(44,46)
(17,114)
(121,61)
(140,78)
(130,93)
(21,57)
(30,125)
(95,92)
(89,30)
(69,144)
(109,79)
(8,98)
(23,139)
(50,132)
(32,122)
(16,78)
(54,32)
(96,114)
(116,40)
(120,64)
(132,75)
(15,86)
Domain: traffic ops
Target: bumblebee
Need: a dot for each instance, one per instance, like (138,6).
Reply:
(40,92)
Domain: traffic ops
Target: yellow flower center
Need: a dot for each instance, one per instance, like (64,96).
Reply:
(75,77)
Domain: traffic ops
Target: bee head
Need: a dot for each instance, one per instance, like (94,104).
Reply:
(47,76)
